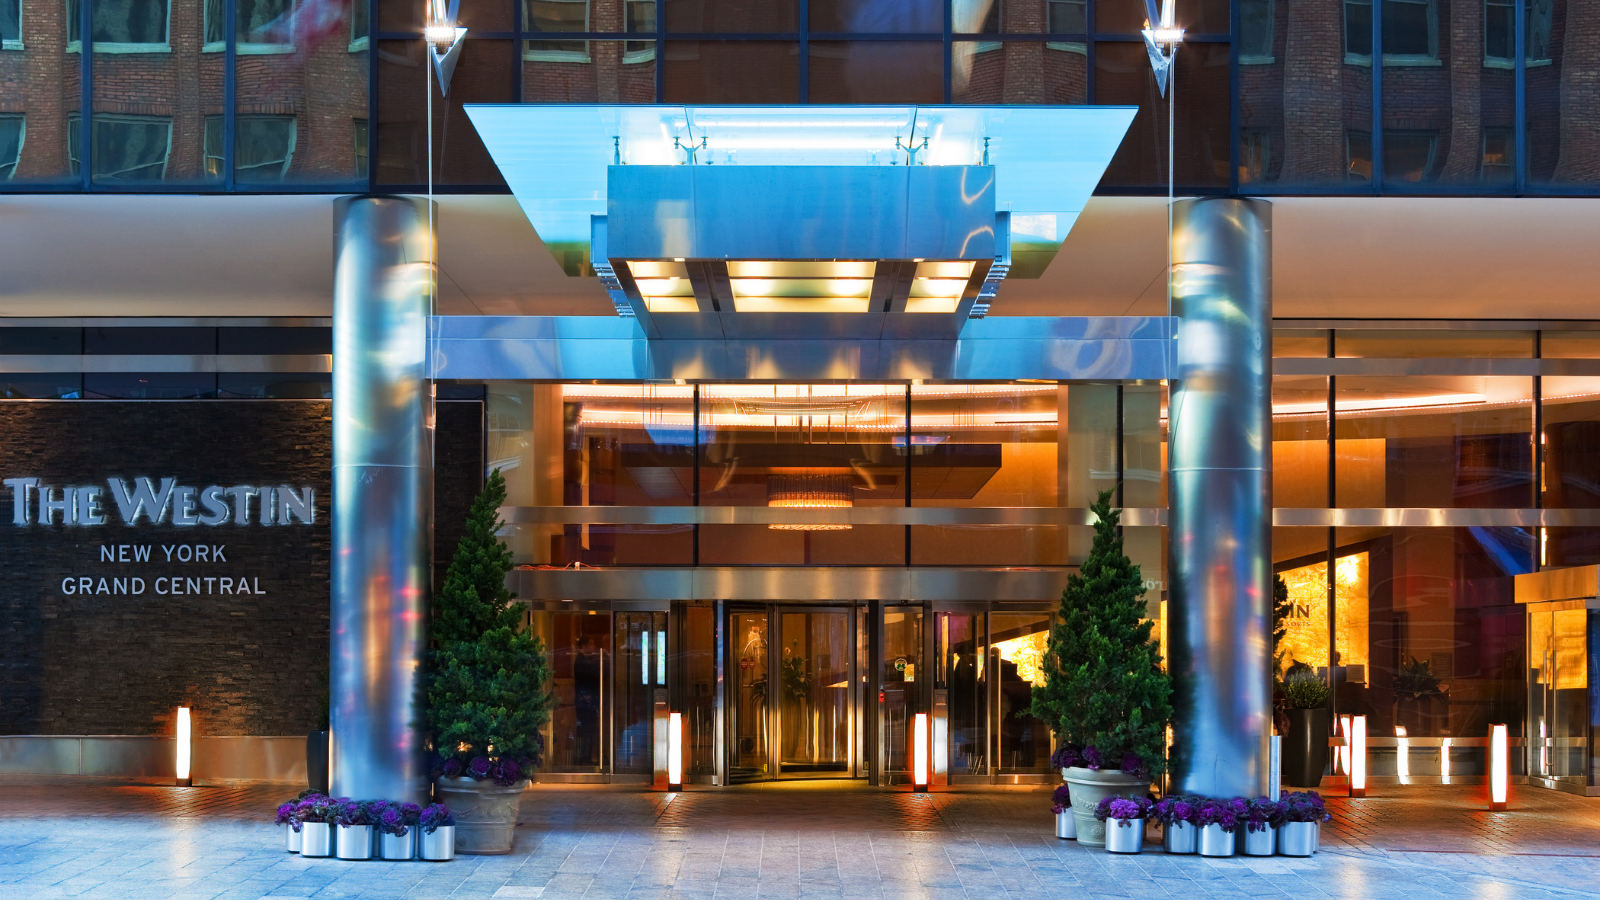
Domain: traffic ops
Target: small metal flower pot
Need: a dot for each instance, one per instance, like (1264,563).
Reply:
(1297,838)
(438,845)
(398,846)
(1066,825)
(1215,842)
(1261,842)
(291,839)
(1180,837)
(1124,835)
(354,842)
(316,839)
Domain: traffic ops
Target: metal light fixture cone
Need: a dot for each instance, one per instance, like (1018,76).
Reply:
(444,38)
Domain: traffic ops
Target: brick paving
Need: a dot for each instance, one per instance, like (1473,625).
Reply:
(104,839)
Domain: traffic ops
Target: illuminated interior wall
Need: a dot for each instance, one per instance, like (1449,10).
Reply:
(1306,628)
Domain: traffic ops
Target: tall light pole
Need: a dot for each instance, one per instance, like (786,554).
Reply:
(1162,37)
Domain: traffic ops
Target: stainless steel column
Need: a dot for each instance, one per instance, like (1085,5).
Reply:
(1220,496)
(382,496)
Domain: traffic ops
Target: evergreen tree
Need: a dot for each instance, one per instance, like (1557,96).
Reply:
(1104,686)
(488,680)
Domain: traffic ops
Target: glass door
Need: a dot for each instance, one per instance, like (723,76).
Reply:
(1558,714)
(749,753)
(791,693)
(581,661)
(641,680)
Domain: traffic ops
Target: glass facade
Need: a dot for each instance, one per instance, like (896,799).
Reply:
(1271,97)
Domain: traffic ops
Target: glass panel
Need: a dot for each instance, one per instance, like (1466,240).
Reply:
(1300,558)
(606,72)
(1128,16)
(694,658)
(580,647)
(992,72)
(814,686)
(1298,102)
(1434,441)
(1000,446)
(902,667)
(1122,75)
(276,386)
(877,16)
(877,72)
(479,15)
(10,21)
(1571,439)
(39,341)
(1569,344)
(798,445)
(1558,694)
(1021,17)
(13,129)
(748,712)
(731,72)
(484,74)
(149,385)
(1311,343)
(1017,648)
(1422,344)
(732,16)
(63,386)
(637,683)
(1443,644)
(1299,441)
(962,649)
(1563,140)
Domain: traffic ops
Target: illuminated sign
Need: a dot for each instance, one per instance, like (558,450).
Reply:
(158,502)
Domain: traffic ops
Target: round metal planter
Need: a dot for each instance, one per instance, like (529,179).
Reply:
(316,839)
(354,842)
(1215,842)
(485,813)
(1180,837)
(1124,835)
(291,839)
(438,845)
(1066,825)
(398,846)
(1297,838)
(1262,842)
(1089,787)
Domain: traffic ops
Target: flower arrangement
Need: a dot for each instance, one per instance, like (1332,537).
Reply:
(316,808)
(1123,809)
(1061,800)
(396,818)
(1263,813)
(286,815)
(1069,756)
(502,770)
(353,813)
(1304,806)
(1177,809)
(1225,813)
(434,817)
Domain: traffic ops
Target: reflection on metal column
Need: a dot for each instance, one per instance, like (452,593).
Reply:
(1220,496)
(381,495)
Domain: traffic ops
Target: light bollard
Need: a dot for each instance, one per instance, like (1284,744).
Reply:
(185,754)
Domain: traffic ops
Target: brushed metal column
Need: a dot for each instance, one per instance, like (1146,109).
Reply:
(1220,496)
(382,496)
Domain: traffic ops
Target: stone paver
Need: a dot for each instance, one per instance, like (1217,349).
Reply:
(89,839)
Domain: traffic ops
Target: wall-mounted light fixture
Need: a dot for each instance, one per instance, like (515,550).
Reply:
(1358,756)
(675,751)
(919,752)
(1499,766)
(184,753)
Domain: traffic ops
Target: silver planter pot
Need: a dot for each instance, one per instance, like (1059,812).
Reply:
(354,842)
(316,839)
(1089,787)
(1180,837)
(1215,842)
(291,839)
(485,813)
(398,846)
(1258,843)
(438,845)
(1124,835)
(1297,838)
(1066,825)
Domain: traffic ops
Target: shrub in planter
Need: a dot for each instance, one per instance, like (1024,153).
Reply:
(1305,750)
(1303,815)
(488,684)
(1105,695)
(1127,814)
(1263,815)
(397,829)
(1219,820)
(437,841)
(1061,805)
(1179,817)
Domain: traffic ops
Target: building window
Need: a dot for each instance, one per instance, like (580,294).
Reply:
(1410,30)
(1500,32)
(1499,155)
(10,24)
(1409,155)
(1255,31)
(363,149)
(13,129)
(1541,14)
(1357,30)
(263,147)
(1358,156)
(122,25)
(1255,154)
(558,16)
(1066,16)
(124,148)
(260,26)
(639,18)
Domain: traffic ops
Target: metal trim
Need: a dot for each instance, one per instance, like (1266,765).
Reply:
(1371,365)
(200,362)
(168,321)
(1001,516)
(1419,517)
(786,584)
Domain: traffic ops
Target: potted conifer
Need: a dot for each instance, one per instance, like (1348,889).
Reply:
(1305,750)
(488,686)
(1105,694)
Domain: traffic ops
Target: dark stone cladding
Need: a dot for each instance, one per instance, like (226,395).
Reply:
(120,664)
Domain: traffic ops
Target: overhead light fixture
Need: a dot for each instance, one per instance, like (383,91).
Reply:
(810,492)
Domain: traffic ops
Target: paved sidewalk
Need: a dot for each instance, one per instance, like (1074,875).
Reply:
(78,839)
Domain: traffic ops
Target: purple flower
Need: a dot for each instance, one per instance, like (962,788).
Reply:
(1176,809)
(1304,806)
(1227,813)
(1061,800)
(434,817)
(1091,758)
(1066,756)
(507,772)
(285,815)
(479,767)
(1133,765)
(410,813)
(451,768)
(392,821)
(1123,809)
(1264,813)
